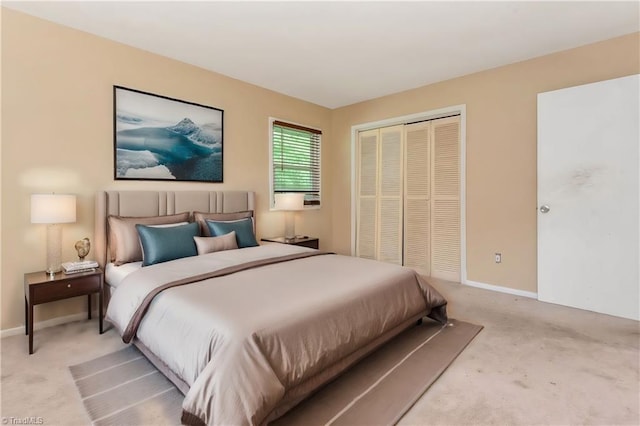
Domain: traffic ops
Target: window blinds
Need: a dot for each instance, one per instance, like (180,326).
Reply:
(296,160)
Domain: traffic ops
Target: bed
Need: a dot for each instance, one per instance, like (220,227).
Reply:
(248,333)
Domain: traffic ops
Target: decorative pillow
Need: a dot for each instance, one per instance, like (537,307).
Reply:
(202,217)
(124,245)
(243,227)
(167,243)
(210,244)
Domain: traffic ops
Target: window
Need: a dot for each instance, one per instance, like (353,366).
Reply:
(295,161)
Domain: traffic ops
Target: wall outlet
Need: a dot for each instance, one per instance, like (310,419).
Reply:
(498,257)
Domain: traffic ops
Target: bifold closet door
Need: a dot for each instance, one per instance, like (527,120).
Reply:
(390,195)
(417,203)
(445,198)
(408,196)
(380,194)
(367,212)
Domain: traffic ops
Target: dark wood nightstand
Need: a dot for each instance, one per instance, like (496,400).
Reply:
(40,287)
(298,241)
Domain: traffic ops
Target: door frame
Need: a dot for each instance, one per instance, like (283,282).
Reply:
(406,119)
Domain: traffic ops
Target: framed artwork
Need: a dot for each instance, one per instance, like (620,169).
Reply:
(160,138)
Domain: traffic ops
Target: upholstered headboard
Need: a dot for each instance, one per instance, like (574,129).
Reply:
(161,203)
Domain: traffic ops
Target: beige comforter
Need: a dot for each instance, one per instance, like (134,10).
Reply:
(243,340)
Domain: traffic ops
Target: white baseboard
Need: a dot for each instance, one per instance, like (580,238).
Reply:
(501,289)
(48,323)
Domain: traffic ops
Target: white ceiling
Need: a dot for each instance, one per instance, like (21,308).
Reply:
(338,53)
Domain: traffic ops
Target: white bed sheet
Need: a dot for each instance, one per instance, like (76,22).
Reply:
(114,275)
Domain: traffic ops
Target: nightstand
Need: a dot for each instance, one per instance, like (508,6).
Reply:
(298,241)
(40,287)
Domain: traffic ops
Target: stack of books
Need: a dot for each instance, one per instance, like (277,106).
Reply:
(77,267)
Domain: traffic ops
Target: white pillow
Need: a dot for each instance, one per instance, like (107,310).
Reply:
(168,225)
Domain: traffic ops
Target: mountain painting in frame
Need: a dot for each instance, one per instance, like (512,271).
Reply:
(160,138)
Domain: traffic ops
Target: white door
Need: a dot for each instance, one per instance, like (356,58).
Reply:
(588,195)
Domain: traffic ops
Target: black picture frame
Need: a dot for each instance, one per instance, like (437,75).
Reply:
(160,138)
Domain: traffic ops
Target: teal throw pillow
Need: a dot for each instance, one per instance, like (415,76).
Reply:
(243,228)
(167,243)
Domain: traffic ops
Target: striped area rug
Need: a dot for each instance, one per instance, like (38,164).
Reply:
(123,388)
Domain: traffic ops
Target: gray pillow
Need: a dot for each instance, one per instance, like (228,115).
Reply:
(211,244)
(124,244)
(202,217)
(167,243)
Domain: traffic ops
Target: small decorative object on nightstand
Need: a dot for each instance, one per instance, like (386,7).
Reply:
(41,287)
(83,247)
(310,242)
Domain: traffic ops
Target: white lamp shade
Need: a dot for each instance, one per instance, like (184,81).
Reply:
(53,208)
(289,201)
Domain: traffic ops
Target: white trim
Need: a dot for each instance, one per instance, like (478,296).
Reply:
(354,195)
(463,192)
(405,119)
(501,289)
(270,189)
(48,323)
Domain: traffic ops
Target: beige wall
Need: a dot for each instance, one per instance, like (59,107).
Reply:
(501,149)
(57,136)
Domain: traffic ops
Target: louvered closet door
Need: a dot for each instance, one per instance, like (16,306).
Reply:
(390,195)
(366,232)
(445,199)
(417,204)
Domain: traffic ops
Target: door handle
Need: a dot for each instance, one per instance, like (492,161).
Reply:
(544,208)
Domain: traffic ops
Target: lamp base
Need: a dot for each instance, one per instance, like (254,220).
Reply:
(54,242)
(290,225)
(52,273)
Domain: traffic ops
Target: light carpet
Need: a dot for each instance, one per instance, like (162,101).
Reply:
(123,388)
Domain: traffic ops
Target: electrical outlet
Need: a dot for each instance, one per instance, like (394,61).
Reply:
(498,257)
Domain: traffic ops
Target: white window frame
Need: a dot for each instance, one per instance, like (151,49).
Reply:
(271,193)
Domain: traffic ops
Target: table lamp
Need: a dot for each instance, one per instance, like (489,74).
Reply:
(53,209)
(290,203)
